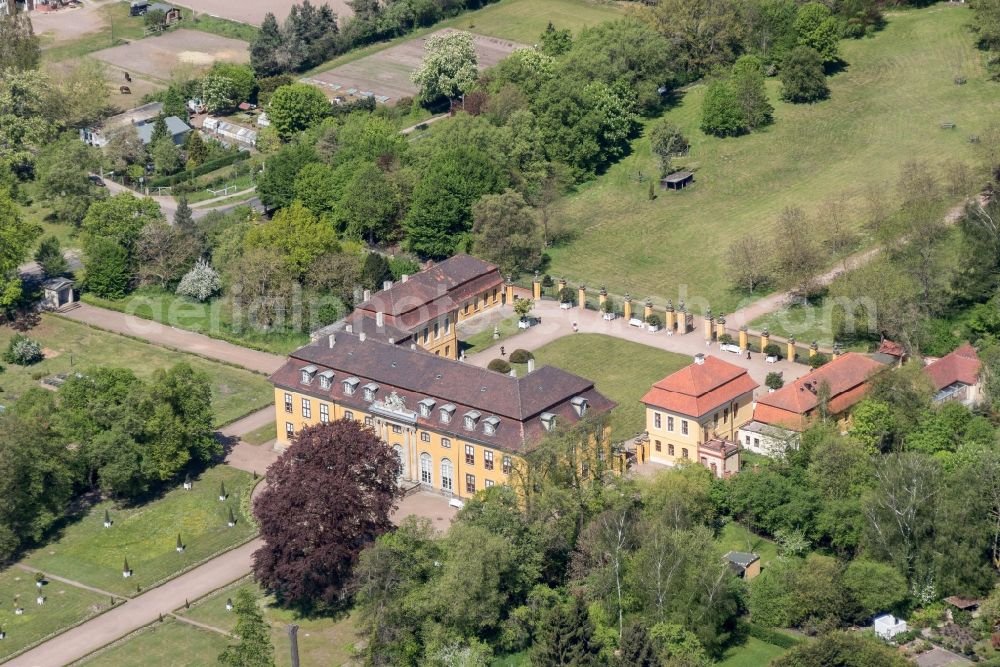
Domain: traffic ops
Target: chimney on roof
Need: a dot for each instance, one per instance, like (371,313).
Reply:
(361,336)
(404,277)
(699,358)
(380,319)
(413,346)
(531,365)
(349,328)
(367,294)
(332,340)
(387,284)
(392,341)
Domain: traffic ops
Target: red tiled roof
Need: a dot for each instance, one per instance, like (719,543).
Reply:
(698,389)
(847,377)
(416,375)
(891,348)
(961,365)
(433,292)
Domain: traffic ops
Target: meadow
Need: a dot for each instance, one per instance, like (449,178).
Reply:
(885,108)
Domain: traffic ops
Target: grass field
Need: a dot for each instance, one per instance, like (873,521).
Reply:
(118,26)
(517,20)
(734,537)
(71,346)
(481,340)
(322,641)
(752,653)
(94,555)
(64,606)
(621,370)
(885,108)
(172,643)
(207,318)
(259,436)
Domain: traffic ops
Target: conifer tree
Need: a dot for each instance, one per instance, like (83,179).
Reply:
(566,638)
(254,648)
(636,648)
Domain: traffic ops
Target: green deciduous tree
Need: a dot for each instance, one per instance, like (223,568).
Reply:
(50,257)
(873,588)
(111,231)
(298,234)
(448,68)
(277,185)
(297,107)
(371,205)
(254,648)
(842,649)
(505,232)
(802,77)
(667,142)
(554,42)
(817,28)
(19,46)
(747,80)
(16,237)
(62,170)
(721,114)
(26,116)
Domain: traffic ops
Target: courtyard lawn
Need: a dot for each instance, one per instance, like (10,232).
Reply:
(64,607)
(481,340)
(735,537)
(209,318)
(259,436)
(71,346)
(885,108)
(322,641)
(752,653)
(621,370)
(172,643)
(94,555)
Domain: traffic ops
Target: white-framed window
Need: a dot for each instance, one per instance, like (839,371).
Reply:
(684,427)
(657,420)
(470,483)
(402,462)
(289,429)
(670,423)
(368,420)
(470,455)
(426,464)
(307,408)
(488,459)
(324,413)
(289,406)
(437,331)
(349,415)
(489,483)
(447,473)
(445,443)
(447,325)
(425,436)
(396,428)
(506,465)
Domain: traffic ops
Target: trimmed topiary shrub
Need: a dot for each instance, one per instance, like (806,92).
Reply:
(774,381)
(725,339)
(772,350)
(500,366)
(567,295)
(23,351)
(654,321)
(520,356)
(818,360)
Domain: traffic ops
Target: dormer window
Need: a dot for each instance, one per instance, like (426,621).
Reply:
(326,379)
(426,406)
(471,419)
(548,421)
(351,386)
(490,425)
(307,373)
(447,411)
(370,390)
(579,404)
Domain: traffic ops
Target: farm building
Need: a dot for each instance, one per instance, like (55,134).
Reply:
(177,129)
(98,135)
(226,131)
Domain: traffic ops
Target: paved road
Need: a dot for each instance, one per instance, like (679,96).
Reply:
(160,334)
(557,323)
(140,611)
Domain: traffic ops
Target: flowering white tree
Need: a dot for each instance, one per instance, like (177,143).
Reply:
(449,68)
(201,282)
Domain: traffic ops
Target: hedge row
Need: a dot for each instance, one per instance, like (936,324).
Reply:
(200,170)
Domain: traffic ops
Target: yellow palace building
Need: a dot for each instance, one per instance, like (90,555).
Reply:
(456,428)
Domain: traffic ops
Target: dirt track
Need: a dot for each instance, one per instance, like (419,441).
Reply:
(253,11)
(155,57)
